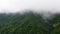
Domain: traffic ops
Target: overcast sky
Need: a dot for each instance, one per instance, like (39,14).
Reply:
(18,5)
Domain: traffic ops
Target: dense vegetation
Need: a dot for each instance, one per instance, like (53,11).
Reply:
(28,23)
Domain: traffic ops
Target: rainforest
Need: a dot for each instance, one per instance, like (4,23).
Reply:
(29,23)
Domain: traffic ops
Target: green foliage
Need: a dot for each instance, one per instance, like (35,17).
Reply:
(56,24)
(28,23)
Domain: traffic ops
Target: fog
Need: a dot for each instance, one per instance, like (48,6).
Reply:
(38,5)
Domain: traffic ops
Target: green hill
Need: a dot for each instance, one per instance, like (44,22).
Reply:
(28,23)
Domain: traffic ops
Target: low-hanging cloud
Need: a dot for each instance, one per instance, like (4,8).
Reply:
(18,5)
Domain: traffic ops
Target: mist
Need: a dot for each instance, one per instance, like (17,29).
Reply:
(37,5)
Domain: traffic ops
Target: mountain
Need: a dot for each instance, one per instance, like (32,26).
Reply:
(28,23)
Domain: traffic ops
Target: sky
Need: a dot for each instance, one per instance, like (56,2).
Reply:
(19,5)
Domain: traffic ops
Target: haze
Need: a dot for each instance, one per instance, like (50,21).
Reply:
(18,5)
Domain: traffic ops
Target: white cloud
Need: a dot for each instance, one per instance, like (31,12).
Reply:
(16,5)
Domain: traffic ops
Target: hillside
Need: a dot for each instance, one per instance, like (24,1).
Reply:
(28,23)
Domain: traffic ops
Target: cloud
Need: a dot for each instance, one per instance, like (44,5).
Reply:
(18,5)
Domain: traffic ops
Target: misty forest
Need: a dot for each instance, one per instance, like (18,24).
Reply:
(29,23)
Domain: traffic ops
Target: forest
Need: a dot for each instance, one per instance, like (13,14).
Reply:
(29,23)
